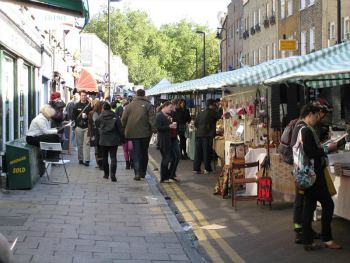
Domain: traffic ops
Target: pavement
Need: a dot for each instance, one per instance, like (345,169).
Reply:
(92,219)
(252,233)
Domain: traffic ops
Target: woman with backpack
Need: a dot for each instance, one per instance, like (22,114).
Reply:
(318,191)
(111,135)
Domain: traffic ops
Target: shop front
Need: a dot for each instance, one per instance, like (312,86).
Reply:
(19,57)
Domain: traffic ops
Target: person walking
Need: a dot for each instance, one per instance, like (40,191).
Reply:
(138,120)
(58,105)
(80,115)
(167,142)
(111,135)
(93,132)
(205,124)
(318,191)
(127,146)
(182,119)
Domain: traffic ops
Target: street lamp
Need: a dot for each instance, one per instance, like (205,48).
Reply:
(218,35)
(196,60)
(201,32)
(108,86)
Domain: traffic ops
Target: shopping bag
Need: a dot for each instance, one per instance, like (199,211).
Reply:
(154,139)
(329,182)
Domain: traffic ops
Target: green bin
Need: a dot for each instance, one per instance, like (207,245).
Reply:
(22,162)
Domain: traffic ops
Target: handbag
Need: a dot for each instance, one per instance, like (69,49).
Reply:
(303,170)
(329,182)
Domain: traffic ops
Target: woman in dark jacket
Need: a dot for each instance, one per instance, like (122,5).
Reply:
(111,135)
(58,105)
(167,139)
(319,190)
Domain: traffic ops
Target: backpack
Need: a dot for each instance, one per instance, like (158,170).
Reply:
(285,149)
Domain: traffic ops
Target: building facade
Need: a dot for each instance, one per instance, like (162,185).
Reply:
(260,35)
(235,35)
(330,22)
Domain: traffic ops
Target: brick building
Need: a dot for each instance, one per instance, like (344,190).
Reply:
(330,25)
(260,35)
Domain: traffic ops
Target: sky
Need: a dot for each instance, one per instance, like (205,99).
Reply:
(203,12)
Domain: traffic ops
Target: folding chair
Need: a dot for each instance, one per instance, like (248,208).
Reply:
(45,147)
(237,180)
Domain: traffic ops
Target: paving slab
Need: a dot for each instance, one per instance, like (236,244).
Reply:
(92,219)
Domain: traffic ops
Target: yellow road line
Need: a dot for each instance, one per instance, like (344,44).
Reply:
(212,252)
(192,214)
(201,219)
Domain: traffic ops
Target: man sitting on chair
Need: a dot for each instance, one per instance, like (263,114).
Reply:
(40,129)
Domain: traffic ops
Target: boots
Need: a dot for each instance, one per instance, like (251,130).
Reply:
(113,178)
(131,164)
(127,165)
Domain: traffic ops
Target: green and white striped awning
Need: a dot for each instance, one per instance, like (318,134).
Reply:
(163,84)
(335,60)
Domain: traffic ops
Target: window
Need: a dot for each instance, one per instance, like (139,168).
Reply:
(311,2)
(259,56)
(273,7)
(312,39)
(346,28)
(268,11)
(303,43)
(259,16)
(274,51)
(290,7)
(267,52)
(254,18)
(302,4)
(283,8)
(332,31)
(254,57)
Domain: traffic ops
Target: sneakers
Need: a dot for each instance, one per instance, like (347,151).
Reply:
(207,172)
(196,172)
(137,178)
(87,163)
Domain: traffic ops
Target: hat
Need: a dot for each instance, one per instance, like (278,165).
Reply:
(323,105)
(55,95)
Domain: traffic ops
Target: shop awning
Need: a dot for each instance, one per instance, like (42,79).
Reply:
(325,60)
(164,83)
(86,82)
(77,8)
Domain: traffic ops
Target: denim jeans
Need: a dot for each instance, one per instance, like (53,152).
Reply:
(175,157)
(140,154)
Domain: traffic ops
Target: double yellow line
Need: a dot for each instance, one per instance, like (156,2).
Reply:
(207,238)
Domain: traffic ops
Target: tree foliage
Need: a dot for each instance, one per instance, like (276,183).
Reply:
(151,53)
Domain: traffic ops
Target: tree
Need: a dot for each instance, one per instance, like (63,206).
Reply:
(150,53)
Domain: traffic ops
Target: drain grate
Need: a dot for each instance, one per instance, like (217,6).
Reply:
(133,200)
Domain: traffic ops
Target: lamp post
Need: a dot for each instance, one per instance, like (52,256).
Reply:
(108,86)
(203,33)
(339,21)
(196,60)
(218,35)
